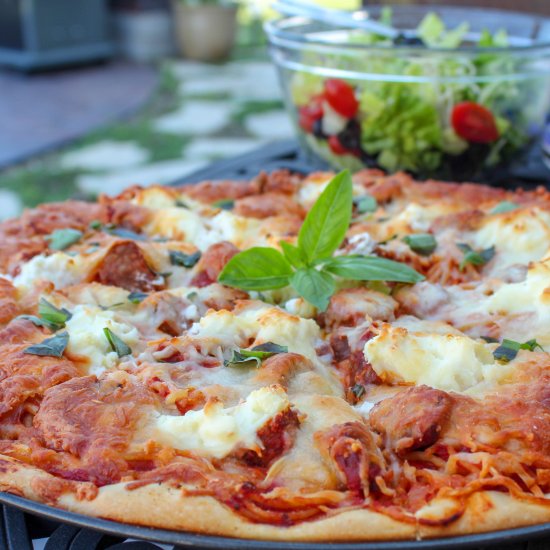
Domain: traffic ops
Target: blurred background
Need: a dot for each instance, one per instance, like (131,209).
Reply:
(98,95)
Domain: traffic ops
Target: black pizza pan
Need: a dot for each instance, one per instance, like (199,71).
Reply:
(184,539)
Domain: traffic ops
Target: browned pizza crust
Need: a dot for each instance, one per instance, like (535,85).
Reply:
(166,507)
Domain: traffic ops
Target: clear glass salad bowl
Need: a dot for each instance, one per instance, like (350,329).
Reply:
(462,98)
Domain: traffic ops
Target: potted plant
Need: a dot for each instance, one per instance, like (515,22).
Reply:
(205,29)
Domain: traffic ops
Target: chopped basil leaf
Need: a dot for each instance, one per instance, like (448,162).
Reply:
(96,224)
(240,360)
(137,297)
(92,249)
(182,259)
(421,243)
(124,233)
(358,391)
(504,206)
(52,315)
(263,351)
(36,321)
(224,204)
(475,257)
(193,295)
(365,204)
(61,239)
(118,345)
(181,204)
(489,339)
(509,349)
(51,347)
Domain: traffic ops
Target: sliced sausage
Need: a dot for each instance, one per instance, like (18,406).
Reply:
(412,419)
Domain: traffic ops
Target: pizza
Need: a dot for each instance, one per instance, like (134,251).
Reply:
(296,358)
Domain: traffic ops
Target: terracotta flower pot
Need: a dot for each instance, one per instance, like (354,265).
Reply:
(205,33)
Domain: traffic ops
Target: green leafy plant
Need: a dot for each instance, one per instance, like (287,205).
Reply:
(310,267)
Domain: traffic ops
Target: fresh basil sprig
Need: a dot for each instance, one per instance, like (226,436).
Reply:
(60,239)
(309,267)
(50,347)
(509,349)
(116,343)
(475,257)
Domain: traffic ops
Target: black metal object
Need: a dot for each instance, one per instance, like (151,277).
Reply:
(22,520)
(528,172)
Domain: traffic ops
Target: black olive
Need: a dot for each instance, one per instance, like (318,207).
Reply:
(317,129)
(350,136)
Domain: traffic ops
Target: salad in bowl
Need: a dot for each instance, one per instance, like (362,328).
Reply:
(466,95)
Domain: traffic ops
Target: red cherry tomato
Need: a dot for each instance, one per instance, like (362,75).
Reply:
(341,97)
(336,146)
(474,123)
(308,114)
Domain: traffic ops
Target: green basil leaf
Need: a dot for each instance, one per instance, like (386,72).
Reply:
(293,254)
(137,297)
(181,204)
(474,257)
(61,239)
(50,347)
(118,345)
(326,224)
(52,315)
(365,204)
(224,204)
(314,286)
(240,360)
(371,268)
(258,268)
(264,351)
(184,260)
(531,345)
(421,243)
(509,349)
(504,206)
(124,233)
(95,224)
(36,321)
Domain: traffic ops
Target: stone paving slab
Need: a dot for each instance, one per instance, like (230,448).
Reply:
(106,155)
(271,125)
(113,183)
(195,117)
(44,110)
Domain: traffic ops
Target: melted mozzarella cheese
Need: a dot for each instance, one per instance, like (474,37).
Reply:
(59,268)
(261,323)
(451,362)
(204,231)
(87,339)
(215,430)
(520,236)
